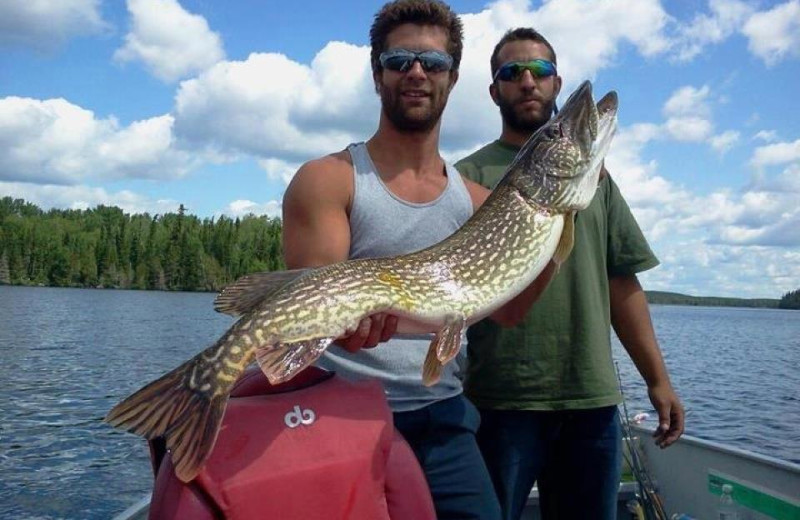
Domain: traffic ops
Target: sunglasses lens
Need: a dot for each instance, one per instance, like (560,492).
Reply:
(398,63)
(433,62)
(513,71)
(509,71)
(401,60)
(542,68)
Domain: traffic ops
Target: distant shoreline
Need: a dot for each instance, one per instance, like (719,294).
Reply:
(653,297)
(670,298)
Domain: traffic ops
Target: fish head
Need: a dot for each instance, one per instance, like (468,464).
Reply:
(559,166)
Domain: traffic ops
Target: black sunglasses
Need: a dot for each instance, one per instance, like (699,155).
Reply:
(401,60)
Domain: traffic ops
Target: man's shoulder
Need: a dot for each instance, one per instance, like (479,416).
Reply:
(327,178)
(331,169)
(480,156)
(487,164)
(336,163)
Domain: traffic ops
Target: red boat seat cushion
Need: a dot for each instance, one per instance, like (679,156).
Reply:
(315,447)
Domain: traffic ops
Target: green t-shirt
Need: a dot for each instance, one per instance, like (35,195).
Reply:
(560,356)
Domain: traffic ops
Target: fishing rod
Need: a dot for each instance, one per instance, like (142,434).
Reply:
(651,506)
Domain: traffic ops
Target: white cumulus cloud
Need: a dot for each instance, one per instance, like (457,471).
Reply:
(776,153)
(689,118)
(724,141)
(725,18)
(269,106)
(48,24)
(54,141)
(775,34)
(278,170)
(241,208)
(688,100)
(272,107)
(84,197)
(767,136)
(689,128)
(171,42)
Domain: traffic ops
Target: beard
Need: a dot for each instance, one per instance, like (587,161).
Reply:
(412,119)
(524,122)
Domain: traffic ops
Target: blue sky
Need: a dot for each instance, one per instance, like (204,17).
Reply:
(147,104)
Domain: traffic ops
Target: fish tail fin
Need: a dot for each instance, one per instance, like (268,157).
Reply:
(188,415)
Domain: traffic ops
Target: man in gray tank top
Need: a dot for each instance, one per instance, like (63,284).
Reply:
(395,194)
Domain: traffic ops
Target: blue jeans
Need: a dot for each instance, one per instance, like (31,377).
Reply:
(442,436)
(575,455)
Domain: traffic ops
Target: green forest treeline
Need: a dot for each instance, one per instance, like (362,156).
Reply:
(105,247)
(790,300)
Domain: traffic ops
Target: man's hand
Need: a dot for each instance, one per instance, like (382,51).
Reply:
(370,331)
(670,415)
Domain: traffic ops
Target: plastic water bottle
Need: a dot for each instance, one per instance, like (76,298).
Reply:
(727,509)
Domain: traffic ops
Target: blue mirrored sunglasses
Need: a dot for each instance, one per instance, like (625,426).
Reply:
(512,71)
(401,60)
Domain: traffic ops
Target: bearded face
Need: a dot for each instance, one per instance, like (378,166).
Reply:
(524,114)
(412,105)
(527,99)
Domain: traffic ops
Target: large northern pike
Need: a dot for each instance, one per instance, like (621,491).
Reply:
(289,318)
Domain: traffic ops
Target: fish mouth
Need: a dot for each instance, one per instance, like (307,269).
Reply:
(559,166)
(605,128)
(588,125)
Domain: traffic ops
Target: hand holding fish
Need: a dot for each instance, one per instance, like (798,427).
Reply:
(371,331)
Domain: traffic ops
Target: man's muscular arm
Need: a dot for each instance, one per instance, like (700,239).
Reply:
(316,232)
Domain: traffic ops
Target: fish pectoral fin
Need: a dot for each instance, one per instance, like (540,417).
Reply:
(447,341)
(282,361)
(567,240)
(444,347)
(247,292)
(432,368)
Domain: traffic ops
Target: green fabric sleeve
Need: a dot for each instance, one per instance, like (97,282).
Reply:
(628,250)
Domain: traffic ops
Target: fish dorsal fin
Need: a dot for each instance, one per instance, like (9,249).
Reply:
(567,240)
(247,292)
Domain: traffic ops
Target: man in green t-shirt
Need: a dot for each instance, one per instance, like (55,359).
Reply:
(547,389)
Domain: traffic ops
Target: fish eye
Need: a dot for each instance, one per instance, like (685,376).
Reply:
(553,131)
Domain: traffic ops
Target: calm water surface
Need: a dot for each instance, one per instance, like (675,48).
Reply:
(68,355)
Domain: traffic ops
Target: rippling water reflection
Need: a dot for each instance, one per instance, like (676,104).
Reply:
(68,355)
(736,372)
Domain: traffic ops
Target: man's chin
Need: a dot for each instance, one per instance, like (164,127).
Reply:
(531,115)
(411,126)
(529,121)
(526,125)
(413,119)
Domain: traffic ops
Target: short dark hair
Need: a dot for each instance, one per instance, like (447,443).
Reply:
(520,33)
(422,12)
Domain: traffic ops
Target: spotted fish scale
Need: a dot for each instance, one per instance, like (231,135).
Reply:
(287,319)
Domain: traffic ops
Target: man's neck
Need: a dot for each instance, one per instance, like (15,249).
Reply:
(394,151)
(514,137)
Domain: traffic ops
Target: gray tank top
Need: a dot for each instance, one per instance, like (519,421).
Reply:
(382,224)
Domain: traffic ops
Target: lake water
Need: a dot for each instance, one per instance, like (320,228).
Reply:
(68,355)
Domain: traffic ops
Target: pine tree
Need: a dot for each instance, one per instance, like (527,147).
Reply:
(5,275)
(790,300)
